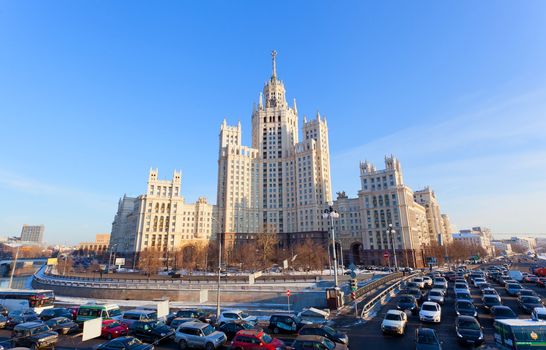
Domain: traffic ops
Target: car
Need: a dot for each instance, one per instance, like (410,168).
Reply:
(430,312)
(428,281)
(35,335)
(539,314)
(426,339)
(395,321)
(436,295)
(502,312)
(125,343)
(530,279)
(151,331)
(48,314)
(199,314)
(4,311)
(483,286)
(286,323)
(465,308)
(412,284)
(407,302)
(469,331)
(527,293)
(304,342)
(477,281)
(15,319)
(440,287)
(459,287)
(3,321)
(254,339)
(488,301)
(232,315)
(113,329)
(529,303)
(231,328)
(491,291)
(416,292)
(513,288)
(440,281)
(62,325)
(73,311)
(199,335)
(179,320)
(541,282)
(419,281)
(325,331)
(461,280)
(132,316)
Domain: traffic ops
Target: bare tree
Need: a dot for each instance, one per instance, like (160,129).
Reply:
(310,256)
(266,244)
(246,254)
(149,261)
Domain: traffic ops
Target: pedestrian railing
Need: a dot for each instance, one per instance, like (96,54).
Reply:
(389,291)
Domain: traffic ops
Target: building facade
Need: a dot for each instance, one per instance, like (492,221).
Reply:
(160,219)
(439,227)
(100,246)
(33,233)
(280,184)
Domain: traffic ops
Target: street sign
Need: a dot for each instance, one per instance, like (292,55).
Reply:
(352,267)
(353,295)
(288,292)
(353,274)
(386,255)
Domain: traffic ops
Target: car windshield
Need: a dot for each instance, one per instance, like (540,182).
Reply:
(41,329)
(246,325)
(266,338)
(132,341)
(530,300)
(328,343)
(469,324)
(406,299)
(514,286)
(113,325)
(426,338)
(393,317)
(526,292)
(465,306)
(463,296)
(541,316)
(208,330)
(491,300)
(329,330)
(460,286)
(243,315)
(114,312)
(185,313)
(435,293)
(429,307)
(504,312)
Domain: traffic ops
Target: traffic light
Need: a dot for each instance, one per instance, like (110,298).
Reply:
(354,284)
(353,295)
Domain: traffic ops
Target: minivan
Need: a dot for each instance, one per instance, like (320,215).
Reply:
(131,316)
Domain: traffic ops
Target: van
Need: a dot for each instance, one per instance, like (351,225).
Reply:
(91,311)
(515,275)
(132,316)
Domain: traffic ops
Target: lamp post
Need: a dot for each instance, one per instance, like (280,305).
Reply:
(332,214)
(219,237)
(110,257)
(14,266)
(391,231)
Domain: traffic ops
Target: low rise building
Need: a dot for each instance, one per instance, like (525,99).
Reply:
(502,247)
(98,247)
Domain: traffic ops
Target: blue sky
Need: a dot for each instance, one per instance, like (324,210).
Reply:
(94,93)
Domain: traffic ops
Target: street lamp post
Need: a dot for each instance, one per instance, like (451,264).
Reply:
(332,214)
(14,267)
(110,258)
(391,231)
(219,237)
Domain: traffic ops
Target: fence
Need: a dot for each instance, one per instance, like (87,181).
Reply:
(368,306)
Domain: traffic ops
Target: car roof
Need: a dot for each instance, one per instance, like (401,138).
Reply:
(310,338)
(28,325)
(466,318)
(395,312)
(426,330)
(249,332)
(196,324)
(313,325)
(430,303)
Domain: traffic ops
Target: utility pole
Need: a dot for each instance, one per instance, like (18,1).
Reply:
(14,266)
(391,231)
(331,214)
(219,238)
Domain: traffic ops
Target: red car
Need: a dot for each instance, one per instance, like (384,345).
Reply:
(255,339)
(112,329)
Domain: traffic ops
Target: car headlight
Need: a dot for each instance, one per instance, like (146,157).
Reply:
(163,334)
(480,337)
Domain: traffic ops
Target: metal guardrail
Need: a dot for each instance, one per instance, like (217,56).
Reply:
(366,308)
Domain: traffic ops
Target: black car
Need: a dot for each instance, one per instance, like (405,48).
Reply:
(489,301)
(35,335)
(416,292)
(3,321)
(179,320)
(528,304)
(195,313)
(465,308)
(3,311)
(231,328)
(325,331)
(527,293)
(469,331)
(14,320)
(407,302)
(426,339)
(48,314)
(502,312)
(62,325)
(151,331)
(125,343)
(285,323)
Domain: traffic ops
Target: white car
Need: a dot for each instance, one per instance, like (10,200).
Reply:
(440,281)
(436,295)
(460,288)
(477,281)
(430,312)
(233,315)
(428,281)
(395,321)
(539,314)
(419,281)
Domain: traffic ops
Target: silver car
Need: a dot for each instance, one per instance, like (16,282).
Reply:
(199,335)
(436,295)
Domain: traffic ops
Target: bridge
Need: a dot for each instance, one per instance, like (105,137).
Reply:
(7,264)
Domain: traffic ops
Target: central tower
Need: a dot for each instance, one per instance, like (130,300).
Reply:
(289,180)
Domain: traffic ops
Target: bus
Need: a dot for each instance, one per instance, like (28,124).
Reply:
(92,310)
(520,334)
(24,299)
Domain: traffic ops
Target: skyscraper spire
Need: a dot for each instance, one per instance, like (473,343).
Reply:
(273,56)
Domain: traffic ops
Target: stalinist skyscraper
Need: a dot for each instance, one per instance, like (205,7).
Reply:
(280,184)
